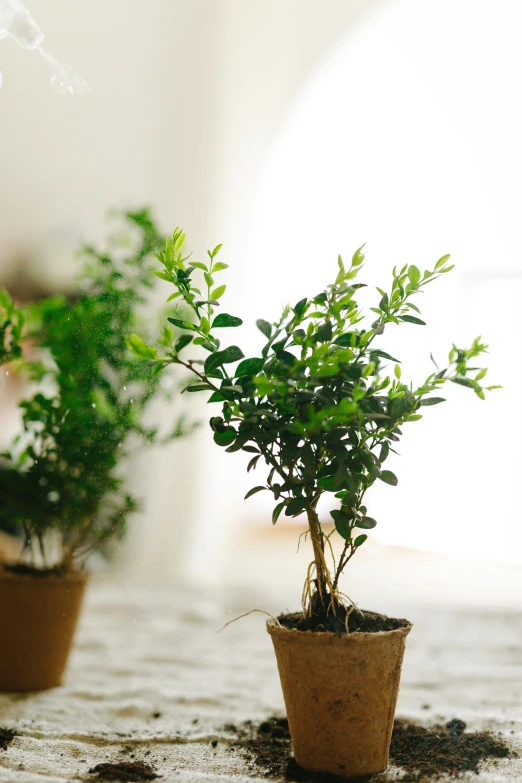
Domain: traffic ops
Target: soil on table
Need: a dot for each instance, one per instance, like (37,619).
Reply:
(124,772)
(6,737)
(439,749)
(422,752)
(355,620)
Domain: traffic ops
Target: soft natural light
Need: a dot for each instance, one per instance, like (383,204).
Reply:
(395,143)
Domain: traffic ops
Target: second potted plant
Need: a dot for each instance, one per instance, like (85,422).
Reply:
(61,487)
(320,408)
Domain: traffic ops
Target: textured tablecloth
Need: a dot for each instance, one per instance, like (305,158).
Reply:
(149,677)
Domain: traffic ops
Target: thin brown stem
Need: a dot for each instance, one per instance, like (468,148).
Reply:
(316,535)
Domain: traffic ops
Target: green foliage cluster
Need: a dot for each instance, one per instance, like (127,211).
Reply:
(61,473)
(11,325)
(322,405)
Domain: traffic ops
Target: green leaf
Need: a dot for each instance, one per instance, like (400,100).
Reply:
(277,512)
(218,292)
(397,371)
(300,306)
(140,349)
(253,462)
(324,333)
(389,478)
(226,437)
(224,319)
(216,250)
(249,367)
(440,263)
(414,274)
(253,491)
(481,374)
(227,356)
(182,324)
(463,382)
(358,257)
(234,388)
(295,507)
(360,540)
(366,523)
(342,523)
(425,401)
(163,275)
(411,319)
(199,265)
(183,341)
(5,300)
(195,387)
(285,357)
(385,450)
(384,355)
(216,397)
(264,327)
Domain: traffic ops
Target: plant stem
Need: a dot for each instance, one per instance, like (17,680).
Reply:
(316,536)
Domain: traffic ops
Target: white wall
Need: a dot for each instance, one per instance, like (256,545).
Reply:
(186,97)
(332,123)
(408,138)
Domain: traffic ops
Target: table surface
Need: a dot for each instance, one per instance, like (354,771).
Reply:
(141,651)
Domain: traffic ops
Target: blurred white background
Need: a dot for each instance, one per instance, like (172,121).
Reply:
(292,130)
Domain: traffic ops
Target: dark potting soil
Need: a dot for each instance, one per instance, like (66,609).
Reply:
(124,772)
(358,621)
(421,752)
(6,737)
(22,569)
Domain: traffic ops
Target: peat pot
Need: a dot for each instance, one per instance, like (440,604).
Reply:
(340,694)
(38,616)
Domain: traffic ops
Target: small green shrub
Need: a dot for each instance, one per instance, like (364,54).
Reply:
(322,405)
(62,473)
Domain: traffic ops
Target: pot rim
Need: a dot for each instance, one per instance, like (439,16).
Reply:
(42,578)
(275,629)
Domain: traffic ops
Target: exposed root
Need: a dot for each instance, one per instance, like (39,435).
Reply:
(261,611)
(312,585)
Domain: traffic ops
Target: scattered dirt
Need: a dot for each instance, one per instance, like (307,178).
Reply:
(362,622)
(422,752)
(124,772)
(6,737)
(446,749)
(267,745)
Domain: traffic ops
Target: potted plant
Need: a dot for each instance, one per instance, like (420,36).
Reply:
(320,409)
(60,482)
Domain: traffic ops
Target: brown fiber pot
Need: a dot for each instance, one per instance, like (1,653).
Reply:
(340,694)
(38,616)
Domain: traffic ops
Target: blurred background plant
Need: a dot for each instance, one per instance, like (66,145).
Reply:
(11,324)
(61,484)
